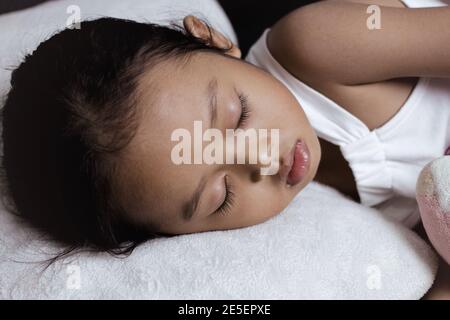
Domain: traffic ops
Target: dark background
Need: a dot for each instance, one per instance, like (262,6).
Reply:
(249,17)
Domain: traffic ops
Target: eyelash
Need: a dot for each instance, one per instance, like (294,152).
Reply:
(227,204)
(245,110)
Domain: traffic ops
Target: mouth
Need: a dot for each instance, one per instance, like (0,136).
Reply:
(296,164)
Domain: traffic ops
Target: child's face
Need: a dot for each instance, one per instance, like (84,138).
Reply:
(157,191)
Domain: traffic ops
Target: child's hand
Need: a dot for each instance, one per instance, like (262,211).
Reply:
(211,36)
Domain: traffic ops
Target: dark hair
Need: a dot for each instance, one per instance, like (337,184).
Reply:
(70,110)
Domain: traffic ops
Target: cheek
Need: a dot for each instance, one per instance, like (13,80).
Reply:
(279,107)
(262,202)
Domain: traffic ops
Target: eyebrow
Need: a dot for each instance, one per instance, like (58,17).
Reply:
(211,92)
(191,206)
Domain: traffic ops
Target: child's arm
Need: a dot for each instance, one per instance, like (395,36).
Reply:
(331,41)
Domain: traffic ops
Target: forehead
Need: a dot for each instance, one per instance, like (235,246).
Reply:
(173,97)
(174,92)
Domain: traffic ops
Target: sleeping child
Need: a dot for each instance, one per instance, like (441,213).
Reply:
(89,122)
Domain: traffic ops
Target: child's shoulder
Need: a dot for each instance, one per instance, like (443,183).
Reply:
(311,60)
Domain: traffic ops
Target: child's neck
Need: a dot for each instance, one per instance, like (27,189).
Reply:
(335,172)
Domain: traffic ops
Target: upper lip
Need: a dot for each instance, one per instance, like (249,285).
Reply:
(286,163)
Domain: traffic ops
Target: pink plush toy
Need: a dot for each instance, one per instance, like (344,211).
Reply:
(433,197)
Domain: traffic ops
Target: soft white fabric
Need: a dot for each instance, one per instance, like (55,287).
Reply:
(322,246)
(385,162)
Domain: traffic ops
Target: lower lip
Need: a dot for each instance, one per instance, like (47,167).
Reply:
(300,164)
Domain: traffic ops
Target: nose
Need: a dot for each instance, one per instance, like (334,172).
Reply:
(260,157)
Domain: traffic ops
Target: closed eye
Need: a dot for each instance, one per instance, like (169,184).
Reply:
(245,110)
(227,204)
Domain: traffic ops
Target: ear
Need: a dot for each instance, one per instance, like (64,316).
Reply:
(199,29)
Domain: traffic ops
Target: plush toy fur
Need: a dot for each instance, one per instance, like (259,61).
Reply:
(433,197)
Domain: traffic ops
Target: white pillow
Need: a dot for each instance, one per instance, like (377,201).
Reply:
(323,245)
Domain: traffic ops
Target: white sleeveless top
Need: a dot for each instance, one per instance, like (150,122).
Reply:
(386,161)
